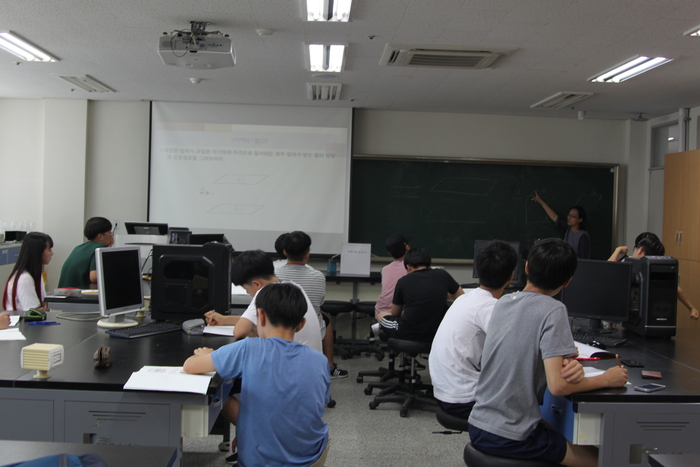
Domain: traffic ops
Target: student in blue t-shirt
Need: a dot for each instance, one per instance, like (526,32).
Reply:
(284,385)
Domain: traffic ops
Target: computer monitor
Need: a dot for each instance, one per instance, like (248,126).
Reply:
(201,239)
(146,228)
(179,235)
(120,288)
(481,244)
(189,280)
(599,290)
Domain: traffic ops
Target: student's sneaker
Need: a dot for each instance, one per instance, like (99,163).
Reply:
(225,446)
(337,373)
(233,458)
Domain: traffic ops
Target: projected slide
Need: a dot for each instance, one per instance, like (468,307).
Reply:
(219,169)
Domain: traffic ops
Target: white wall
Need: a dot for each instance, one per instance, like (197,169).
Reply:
(117,161)
(63,203)
(22,161)
(488,136)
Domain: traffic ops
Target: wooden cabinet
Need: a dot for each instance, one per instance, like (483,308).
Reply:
(681,232)
(688,280)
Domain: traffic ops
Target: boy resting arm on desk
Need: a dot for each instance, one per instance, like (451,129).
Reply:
(527,341)
(285,385)
(253,270)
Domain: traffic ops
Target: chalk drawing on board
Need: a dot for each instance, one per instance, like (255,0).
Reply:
(240,179)
(398,191)
(245,209)
(465,186)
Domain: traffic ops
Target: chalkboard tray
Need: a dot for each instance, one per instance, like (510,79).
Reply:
(445,205)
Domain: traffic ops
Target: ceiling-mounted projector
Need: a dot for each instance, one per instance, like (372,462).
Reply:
(196,48)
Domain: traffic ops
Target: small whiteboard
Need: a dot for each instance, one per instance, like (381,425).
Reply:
(355,258)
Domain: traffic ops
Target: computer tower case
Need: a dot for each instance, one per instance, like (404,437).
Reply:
(654,296)
(189,280)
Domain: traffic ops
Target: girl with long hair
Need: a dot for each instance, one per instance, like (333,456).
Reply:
(25,287)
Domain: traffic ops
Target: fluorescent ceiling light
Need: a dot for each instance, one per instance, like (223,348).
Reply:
(560,100)
(14,44)
(88,83)
(629,69)
(693,32)
(326,58)
(328,10)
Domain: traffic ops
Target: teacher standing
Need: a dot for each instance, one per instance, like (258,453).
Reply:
(574,226)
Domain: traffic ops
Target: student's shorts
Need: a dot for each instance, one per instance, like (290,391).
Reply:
(542,444)
(457,410)
(390,325)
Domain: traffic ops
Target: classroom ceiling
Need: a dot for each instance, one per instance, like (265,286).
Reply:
(561,43)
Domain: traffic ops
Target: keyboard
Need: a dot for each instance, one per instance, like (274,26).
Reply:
(607,341)
(143,330)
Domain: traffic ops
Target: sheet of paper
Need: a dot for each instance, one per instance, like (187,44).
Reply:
(12,334)
(219,330)
(168,379)
(589,371)
(586,351)
(14,320)
(355,258)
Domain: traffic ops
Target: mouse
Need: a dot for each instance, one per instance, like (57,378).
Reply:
(598,344)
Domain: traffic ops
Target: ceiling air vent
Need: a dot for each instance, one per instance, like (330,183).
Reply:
(88,83)
(561,99)
(323,91)
(442,56)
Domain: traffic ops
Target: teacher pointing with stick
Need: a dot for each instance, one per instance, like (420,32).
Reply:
(574,226)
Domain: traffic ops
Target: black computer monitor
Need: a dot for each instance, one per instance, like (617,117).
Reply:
(120,287)
(599,290)
(201,239)
(481,244)
(146,228)
(189,280)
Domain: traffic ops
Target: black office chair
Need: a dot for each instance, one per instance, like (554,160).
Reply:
(455,425)
(355,346)
(413,392)
(333,308)
(475,458)
(384,374)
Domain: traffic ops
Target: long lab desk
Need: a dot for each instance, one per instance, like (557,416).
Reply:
(627,424)
(81,404)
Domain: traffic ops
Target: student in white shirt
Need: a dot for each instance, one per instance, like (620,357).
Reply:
(25,288)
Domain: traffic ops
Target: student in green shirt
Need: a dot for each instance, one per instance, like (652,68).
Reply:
(79,269)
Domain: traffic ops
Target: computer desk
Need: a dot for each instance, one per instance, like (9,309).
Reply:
(22,451)
(627,424)
(81,404)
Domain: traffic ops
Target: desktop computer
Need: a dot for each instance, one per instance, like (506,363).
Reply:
(654,296)
(189,280)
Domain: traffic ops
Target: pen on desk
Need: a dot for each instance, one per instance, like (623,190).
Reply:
(588,359)
(619,363)
(42,323)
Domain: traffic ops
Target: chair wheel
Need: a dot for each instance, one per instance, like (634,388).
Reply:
(380,356)
(360,379)
(373,405)
(403,412)
(331,404)
(368,391)
(344,357)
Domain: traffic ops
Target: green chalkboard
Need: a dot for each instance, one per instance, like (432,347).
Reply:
(445,206)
